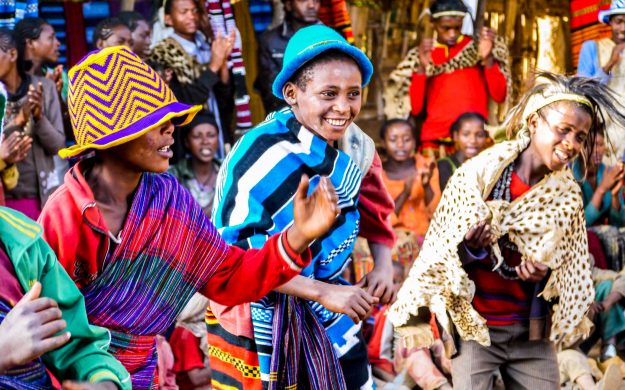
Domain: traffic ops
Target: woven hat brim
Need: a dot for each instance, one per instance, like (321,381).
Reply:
(604,16)
(180,114)
(306,55)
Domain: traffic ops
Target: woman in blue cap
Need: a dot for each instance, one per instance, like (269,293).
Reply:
(305,333)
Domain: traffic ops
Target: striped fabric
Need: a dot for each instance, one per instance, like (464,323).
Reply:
(254,199)
(334,13)
(114,97)
(164,235)
(305,344)
(222,21)
(233,360)
(31,376)
(585,25)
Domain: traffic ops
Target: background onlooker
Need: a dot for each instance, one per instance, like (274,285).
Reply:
(411,178)
(200,73)
(470,138)
(34,110)
(197,172)
(140,31)
(112,32)
(272,43)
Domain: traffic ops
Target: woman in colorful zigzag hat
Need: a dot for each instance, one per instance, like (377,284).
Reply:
(133,240)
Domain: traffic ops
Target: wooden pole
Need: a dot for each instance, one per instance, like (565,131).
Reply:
(479,17)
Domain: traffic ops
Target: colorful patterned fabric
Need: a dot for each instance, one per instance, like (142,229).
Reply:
(334,13)
(222,22)
(233,359)
(305,345)
(145,268)
(114,97)
(254,199)
(12,11)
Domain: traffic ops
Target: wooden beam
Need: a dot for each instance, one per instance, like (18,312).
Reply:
(479,17)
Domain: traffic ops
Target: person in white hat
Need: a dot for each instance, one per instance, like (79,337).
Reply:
(602,57)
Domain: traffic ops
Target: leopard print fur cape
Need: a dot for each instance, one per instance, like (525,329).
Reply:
(396,89)
(547,225)
(172,55)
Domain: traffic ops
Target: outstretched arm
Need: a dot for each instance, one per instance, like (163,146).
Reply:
(246,276)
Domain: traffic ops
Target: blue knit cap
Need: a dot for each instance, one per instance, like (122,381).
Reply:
(308,43)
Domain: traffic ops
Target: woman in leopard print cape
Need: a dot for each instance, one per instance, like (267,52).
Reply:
(545,224)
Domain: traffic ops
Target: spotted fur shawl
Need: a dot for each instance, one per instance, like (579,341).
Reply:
(547,225)
(396,89)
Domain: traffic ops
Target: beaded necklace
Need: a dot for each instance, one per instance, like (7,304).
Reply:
(502,192)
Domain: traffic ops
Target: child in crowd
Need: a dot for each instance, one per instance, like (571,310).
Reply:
(399,366)
(132,239)
(602,188)
(411,178)
(470,139)
(506,217)
(112,32)
(140,30)
(198,172)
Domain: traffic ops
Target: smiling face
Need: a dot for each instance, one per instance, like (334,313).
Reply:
(448,29)
(150,152)
(184,18)
(559,134)
(617,22)
(399,142)
(202,142)
(329,101)
(470,139)
(46,47)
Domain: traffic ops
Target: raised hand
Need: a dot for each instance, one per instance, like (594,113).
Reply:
(15,147)
(57,76)
(312,215)
(425,172)
(35,101)
(220,50)
(611,177)
(487,41)
(350,300)
(425,53)
(29,330)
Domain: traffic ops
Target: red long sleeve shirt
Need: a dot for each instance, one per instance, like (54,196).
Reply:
(75,229)
(449,95)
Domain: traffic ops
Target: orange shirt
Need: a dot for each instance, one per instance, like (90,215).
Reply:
(415,215)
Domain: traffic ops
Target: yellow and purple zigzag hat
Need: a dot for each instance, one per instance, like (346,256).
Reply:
(114,97)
